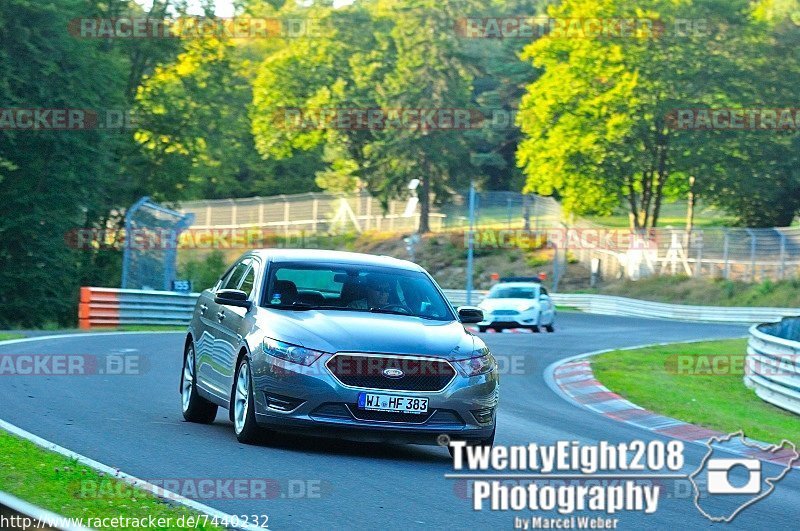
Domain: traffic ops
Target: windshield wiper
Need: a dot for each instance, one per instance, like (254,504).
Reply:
(393,312)
(293,306)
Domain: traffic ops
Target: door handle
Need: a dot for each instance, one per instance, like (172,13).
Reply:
(220,316)
(203,309)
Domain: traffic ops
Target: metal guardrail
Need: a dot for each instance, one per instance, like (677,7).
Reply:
(773,363)
(610,305)
(109,307)
(19,514)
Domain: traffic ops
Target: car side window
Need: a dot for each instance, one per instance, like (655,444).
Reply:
(248,281)
(235,276)
(543,291)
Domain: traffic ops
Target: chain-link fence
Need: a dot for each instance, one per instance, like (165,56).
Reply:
(307,213)
(731,253)
(151,241)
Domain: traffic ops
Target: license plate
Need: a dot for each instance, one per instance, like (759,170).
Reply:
(397,404)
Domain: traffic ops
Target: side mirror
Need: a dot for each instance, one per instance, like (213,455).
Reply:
(470,314)
(233,297)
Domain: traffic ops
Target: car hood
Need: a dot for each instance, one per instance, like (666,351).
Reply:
(349,331)
(507,304)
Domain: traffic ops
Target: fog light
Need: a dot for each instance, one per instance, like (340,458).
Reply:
(483,416)
(282,403)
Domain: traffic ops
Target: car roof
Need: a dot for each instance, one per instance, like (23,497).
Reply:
(337,257)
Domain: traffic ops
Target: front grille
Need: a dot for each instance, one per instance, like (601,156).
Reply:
(367,371)
(446,417)
(389,416)
(331,410)
(505,312)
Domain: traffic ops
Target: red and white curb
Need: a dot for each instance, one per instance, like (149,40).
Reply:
(576,383)
(475,330)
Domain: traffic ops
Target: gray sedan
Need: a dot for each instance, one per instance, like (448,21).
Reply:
(342,344)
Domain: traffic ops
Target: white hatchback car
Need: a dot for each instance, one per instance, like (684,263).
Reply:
(517,304)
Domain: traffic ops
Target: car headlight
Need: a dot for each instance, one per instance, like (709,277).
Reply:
(289,352)
(481,364)
(532,309)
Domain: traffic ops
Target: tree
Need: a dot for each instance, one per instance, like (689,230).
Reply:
(596,123)
(51,181)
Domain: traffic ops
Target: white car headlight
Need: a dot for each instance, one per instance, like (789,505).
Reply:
(481,364)
(289,352)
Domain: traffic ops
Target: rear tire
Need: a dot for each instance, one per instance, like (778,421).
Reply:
(244,410)
(482,329)
(195,408)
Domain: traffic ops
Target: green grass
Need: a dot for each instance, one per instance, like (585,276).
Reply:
(6,337)
(67,488)
(672,215)
(681,289)
(649,378)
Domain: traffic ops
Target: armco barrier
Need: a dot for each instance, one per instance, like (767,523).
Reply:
(19,514)
(109,307)
(609,305)
(773,363)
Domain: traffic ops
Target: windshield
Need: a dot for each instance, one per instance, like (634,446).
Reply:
(509,292)
(348,287)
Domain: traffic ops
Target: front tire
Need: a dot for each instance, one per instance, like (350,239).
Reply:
(482,329)
(244,410)
(195,408)
(549,328)
(489,441)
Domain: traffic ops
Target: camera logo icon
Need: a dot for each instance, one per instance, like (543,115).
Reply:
(724,486)
(722,476)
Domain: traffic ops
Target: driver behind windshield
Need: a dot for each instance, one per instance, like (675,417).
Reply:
(375,295)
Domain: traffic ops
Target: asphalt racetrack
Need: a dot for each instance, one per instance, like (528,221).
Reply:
(133,422)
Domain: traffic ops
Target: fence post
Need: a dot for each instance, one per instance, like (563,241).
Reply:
(314,214)
(526,212)
(782,268)
(285,217)
(698,269)
(752,255)
(725,271)
(556,268)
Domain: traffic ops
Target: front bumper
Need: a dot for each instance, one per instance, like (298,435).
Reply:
(294,398)
(511,320)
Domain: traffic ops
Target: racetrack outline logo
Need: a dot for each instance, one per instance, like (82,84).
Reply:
(771,481)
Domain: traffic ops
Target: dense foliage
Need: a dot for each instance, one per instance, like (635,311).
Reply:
(209,115)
